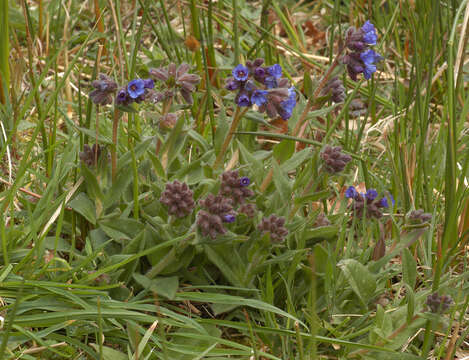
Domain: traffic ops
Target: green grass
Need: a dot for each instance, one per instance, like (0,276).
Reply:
(93,267)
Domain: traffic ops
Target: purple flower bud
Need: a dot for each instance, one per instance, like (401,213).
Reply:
(148,83)
(244,181)
(232,85)
(259,73)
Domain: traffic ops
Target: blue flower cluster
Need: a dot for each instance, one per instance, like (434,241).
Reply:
(264,87)
(361,59)
(136,90)
(368,202)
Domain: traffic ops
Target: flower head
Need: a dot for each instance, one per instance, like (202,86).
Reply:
(288,104)
(334,159)
(122,97)
(369,33)
(351,192)
(242,99)
(275,71)
(385,203)
(258,97)
(371,194)
(135,88)
(229,218)
(103,90)
(240,72)
(369,58)
(244,181)
(274,225)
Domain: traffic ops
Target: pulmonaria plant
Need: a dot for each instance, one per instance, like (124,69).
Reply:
(175,79)
(368,202)
(263,86)
(361,59)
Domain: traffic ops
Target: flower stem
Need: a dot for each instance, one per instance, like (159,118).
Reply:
(234,125)
(115,127)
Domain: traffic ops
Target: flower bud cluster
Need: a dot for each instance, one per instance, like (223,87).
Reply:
(90,154)
(234,187)
(104,88)
(438,304)
(368,202)
(175,78)
(178,198)
(336,88)
(361,59)
(219,209)
(263,86)
(136,90)
(334,159)
(275,226)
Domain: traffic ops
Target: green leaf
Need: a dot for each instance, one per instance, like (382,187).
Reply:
(361,280)
(320,233)
(163,286)
(409,268)
(110,353)
(284,150)
(282,183)
(297,159)
(92,134)
(84,206)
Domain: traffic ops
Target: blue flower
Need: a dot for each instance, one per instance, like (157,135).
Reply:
(369,58)
(288,104)
(244,181)
(270,82)
(240,72)
(369,33)
(258,97)
(135,88)
(351,192)
(371,194)
(229,218)
(275,71)
(384,201)
(242,99)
